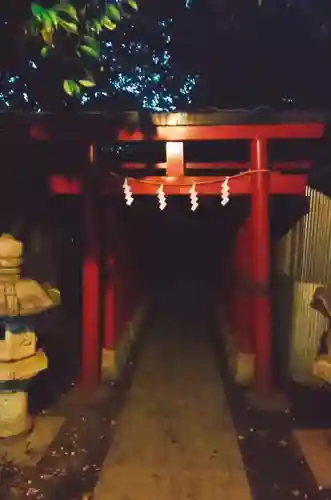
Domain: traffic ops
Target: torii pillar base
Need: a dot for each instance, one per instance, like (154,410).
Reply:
(271,402)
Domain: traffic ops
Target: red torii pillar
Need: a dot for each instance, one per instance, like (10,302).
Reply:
(91,288)
(260,251)
(110,278)
(262,396)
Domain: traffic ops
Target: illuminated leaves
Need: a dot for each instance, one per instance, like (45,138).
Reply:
(88,81)
(67,9)
(133,4)
(53,17)
(94,26)
(90,46)
(37,11)
(108,24)
(90,51)
(44,23)
(47,36)
(113,12)
(64,20)
(71,87)
(70,27)
(44,51)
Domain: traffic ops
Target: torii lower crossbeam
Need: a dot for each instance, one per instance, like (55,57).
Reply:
(280,184)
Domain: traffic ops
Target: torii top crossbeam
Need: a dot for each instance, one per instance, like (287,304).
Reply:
(177,129)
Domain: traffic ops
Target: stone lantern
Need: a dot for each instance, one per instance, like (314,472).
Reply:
(20,298)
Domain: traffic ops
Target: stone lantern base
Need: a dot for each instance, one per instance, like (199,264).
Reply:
(14,417)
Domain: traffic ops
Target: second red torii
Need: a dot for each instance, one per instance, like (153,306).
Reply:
(260,180)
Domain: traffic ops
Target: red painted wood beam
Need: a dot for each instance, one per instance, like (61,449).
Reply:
(42,132)
(290,184)
(176,186)
(220,165)
(227,132)
(294,184)
(60,184)
(182,186)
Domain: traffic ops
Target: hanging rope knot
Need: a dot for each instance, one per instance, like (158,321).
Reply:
(194,198)
(127,193)
(225,192)
(161,196)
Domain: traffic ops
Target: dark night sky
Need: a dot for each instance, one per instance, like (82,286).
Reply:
(245,56)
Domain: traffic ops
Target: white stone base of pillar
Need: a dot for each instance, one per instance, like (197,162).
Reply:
(109,365)
(242,367)
(14,416)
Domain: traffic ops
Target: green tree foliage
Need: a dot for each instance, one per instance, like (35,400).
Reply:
(74,33)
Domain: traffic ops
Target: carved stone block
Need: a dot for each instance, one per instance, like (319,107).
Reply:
(23,369)
(17,346)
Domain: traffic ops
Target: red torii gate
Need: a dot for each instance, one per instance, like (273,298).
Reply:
(251,304)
